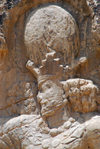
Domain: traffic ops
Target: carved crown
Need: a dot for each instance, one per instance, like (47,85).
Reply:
(50,68)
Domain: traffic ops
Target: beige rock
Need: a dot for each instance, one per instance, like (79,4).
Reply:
(82,94)
(55,143)
(53,102)
(77,136)
(67,125)
(49,102)
(72,120)
(46,144)
(53,29)
(93,132)
(53,132)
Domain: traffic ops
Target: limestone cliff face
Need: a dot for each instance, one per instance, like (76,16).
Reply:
(49,74)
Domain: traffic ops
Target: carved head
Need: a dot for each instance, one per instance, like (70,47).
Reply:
(50,94)
(52,40)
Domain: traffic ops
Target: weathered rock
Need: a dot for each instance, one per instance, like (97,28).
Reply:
(49,74)
(82,95)
(46,144)
(55,143)
(53,29)
(53,132)
(67,125)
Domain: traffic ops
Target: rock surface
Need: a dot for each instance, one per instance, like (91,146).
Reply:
(49,74)
(53,29)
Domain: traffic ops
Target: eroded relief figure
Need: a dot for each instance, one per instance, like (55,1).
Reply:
(58,41)
(51,46)
(68,104)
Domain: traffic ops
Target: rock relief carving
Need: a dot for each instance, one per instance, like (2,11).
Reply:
(50,45)
(53,44)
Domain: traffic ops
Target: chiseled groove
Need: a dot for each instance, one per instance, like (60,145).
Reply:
(9,105)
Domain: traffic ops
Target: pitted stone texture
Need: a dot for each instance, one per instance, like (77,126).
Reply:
(46,144)
(50,98)
(81,94)
(23,131)
(51,28)
(29,132)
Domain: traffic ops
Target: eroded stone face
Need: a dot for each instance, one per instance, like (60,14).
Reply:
(50,98)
